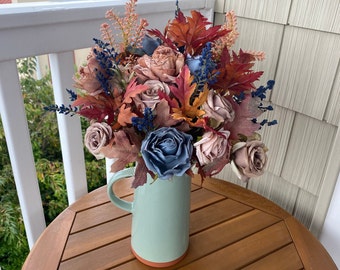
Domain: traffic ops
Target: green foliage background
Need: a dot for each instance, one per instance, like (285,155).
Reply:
(37,93)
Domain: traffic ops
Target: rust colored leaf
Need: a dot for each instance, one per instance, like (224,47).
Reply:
(125,115)
(244,113)
(133,89)
(235,73)
(98,107)
(163,117)
(122,149)
(187,103)
(192,32)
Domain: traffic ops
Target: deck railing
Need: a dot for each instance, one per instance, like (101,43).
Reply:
(56,29)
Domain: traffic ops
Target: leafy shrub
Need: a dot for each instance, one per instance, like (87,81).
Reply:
(37,93)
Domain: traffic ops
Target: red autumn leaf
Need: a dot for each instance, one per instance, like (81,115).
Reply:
(163,38)
(244,113)
(133,89)
(98,107)
(187,106)
(192,32)
(235,74)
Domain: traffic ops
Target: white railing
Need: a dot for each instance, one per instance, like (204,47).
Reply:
(56,29)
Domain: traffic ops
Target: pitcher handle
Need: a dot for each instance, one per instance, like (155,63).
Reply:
(125,205)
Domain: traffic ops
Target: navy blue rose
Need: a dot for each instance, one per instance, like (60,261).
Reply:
(167,152)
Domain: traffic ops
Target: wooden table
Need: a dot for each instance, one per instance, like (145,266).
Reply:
(231,228)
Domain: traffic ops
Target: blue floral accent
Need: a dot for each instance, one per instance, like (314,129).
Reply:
(145,123)
(261,94)
(203,67)
(265,122)
(262,90)
(73,95)
(106,58)
(167,152)
(177,9)
(238,98)
(62,109)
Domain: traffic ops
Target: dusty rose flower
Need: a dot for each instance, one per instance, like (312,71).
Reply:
(219,109)
(86,77)
(150,97)
(212,146)
(97,136)
(249,159)
(164,65)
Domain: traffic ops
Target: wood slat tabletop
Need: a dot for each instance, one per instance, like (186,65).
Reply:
(230,228)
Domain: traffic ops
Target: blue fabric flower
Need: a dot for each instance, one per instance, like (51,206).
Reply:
(167,152)
(194,64)
(150,44)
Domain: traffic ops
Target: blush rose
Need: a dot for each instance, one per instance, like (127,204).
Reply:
(219,109)
(212,146)
(150,97)
(96,137)
(249,159)
(86,77)
(164,65)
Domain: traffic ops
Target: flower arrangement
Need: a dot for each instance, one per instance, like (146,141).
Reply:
(173,100)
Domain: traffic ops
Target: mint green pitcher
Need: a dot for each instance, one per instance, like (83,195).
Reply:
(160,218)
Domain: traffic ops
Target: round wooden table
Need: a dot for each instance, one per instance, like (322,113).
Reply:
(231,228)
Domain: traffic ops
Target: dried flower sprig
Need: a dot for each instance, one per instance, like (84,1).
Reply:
(106,34)
(132,32)
(227,41)
(64,109)
(259,55)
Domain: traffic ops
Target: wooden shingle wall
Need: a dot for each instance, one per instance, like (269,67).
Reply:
(301,40)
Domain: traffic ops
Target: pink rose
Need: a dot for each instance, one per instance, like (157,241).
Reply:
(219,109)
(150,97)
(212,146)
(96,137)
(86,77)
(249,159)
(164,65)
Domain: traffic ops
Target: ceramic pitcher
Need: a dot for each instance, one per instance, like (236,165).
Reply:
(160,218)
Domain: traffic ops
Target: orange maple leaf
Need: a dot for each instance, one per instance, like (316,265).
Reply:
(125,115)
(187,102)
(192,32)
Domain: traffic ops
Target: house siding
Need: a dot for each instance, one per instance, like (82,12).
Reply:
(301,40)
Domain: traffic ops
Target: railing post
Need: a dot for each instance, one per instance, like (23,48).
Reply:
(20,150)
(71,140)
